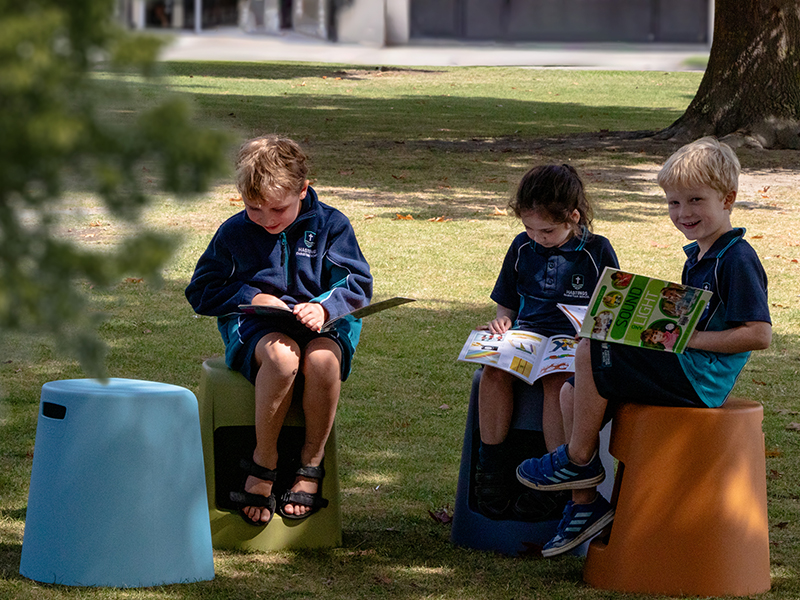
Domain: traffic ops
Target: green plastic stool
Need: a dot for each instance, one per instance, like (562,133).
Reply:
(227,420)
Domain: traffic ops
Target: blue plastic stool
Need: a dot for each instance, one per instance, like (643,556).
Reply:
(117,493)
(470,528)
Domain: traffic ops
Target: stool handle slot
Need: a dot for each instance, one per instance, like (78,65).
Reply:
(53,411)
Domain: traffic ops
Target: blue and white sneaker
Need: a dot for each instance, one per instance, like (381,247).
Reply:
(555,471)
(580,523)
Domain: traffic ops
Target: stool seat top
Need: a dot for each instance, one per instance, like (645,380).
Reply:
(112,386)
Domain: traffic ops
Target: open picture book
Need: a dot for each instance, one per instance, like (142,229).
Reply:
(526,354)
(279,312)
(625,308)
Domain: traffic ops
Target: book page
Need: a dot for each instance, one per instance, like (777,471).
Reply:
(575,314)
(558,355)
(516,351)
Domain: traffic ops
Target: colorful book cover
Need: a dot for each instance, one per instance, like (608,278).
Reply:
(279,312)
(643,311)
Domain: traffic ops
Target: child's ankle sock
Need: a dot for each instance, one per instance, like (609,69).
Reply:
(492,457)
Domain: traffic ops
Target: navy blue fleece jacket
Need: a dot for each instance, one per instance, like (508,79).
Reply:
(315,259)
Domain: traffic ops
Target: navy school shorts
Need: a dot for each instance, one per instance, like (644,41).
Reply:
(253,329)
(640,376)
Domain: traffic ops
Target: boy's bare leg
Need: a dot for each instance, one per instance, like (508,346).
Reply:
(567,400)
(278,359)
(552,420)
(587,410)
(322,370)
(495,404)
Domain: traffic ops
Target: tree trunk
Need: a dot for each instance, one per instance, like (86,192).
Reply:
(750,93)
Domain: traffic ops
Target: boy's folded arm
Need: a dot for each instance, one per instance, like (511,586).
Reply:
(213,297)
(349,281)
(342,300)
(751,335)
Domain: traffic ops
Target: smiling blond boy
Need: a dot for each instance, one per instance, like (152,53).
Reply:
(701,183)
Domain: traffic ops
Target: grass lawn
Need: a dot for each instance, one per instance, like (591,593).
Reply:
(423,162)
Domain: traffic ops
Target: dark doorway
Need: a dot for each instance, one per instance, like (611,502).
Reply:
(631,21)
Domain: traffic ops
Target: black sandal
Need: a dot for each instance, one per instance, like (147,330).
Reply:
(493,492)
(537,505)
(314,501)
(244,499)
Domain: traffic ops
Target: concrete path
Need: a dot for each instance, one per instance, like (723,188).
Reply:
(231,44)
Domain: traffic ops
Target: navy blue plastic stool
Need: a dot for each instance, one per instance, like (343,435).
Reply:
(470,528)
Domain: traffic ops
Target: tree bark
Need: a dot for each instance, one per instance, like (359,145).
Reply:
(750,93)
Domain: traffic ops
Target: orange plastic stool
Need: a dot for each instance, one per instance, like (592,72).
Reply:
(691,503)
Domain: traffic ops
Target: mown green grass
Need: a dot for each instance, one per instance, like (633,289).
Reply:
(446,147)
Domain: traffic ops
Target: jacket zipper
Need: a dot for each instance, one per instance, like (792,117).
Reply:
(285,260)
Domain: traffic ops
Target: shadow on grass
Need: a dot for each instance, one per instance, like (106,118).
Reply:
(282,70)
(10,556)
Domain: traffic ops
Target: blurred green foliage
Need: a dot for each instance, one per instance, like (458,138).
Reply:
(54,137)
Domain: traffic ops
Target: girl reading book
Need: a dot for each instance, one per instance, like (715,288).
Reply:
(555,260)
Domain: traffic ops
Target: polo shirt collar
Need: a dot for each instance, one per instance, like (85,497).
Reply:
(718,248)
(575,244)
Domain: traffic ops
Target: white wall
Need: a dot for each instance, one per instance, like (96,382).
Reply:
(363,22)
(398,22)
(374,22)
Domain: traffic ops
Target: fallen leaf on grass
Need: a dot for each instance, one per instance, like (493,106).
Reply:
(757,382)
(369,216)
(233,201)
(444,407)
(756,237)
(346,172)
(400,217)
(442,515)
(499,211)
(657,245)
(782,525)
(133,280)
(773,474)
(775,453)
(441,219)
(793,427)
(786,411)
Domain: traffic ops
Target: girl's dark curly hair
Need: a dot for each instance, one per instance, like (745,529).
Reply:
(555,191)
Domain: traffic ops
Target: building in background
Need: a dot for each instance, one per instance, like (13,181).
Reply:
(396,22)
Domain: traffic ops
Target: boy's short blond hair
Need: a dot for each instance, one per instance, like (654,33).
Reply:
(268,164)
(706,161)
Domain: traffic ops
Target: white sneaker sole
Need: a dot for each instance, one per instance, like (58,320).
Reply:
(584,536)
(565,485)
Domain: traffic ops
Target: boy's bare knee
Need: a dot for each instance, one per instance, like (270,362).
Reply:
(567,398)
(280,352)
(583,350)
(322,358)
